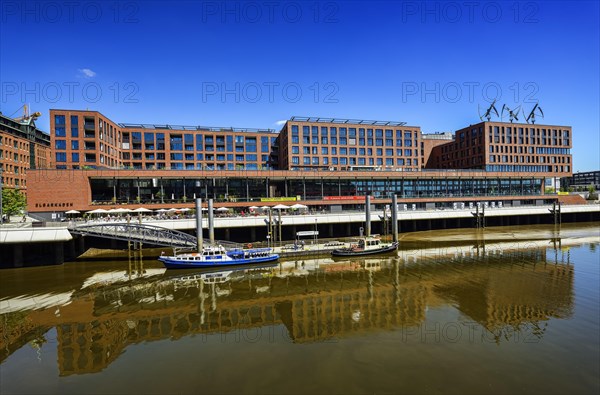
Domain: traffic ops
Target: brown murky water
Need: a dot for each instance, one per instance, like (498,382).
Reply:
(505,310)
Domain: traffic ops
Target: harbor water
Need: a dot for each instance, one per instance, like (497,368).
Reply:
(495,311)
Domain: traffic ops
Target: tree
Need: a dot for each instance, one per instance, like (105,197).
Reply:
(592,195)
(13,201)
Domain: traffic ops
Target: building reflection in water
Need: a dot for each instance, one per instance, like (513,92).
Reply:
(503,290)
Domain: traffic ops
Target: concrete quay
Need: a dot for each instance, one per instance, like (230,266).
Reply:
(32,245)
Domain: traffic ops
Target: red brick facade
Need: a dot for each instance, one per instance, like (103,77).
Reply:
(508,147)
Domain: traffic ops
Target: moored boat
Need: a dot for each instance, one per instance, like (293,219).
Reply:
(215,256)
(367,245)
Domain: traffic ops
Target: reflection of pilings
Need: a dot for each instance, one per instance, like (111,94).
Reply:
(213,297)
(370,285)
(479,217)
(202,297)
(211,222)
(396,281)
(556,212)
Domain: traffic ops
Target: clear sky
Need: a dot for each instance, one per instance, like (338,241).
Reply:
(257,63)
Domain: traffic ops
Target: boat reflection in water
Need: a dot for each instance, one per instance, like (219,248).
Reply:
(502,289)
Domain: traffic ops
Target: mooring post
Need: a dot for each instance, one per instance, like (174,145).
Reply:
(368,215)
(279,226)
(199,224)
(211,222)
(559,213)
(483,216)
(394,218)
(270,232)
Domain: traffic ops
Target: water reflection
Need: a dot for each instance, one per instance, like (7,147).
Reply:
(502,287)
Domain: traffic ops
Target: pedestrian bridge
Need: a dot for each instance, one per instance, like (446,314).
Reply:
(146,234)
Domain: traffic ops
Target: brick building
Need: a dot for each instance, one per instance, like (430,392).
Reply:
(22,146)
(507,147)
(88,139)
(346,144)
(322,161)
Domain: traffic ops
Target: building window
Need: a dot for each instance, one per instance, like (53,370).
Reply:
(60,144)
(74,157)
(61,156)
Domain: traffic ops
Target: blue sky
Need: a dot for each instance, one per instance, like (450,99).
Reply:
(255,63)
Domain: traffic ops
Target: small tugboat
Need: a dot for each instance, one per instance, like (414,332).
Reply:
(215,256)
(366,245)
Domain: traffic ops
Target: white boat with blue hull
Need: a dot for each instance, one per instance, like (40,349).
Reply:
(217,256)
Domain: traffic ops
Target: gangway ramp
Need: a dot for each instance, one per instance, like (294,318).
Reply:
(146,234)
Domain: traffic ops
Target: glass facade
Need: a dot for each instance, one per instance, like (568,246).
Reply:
(155,190)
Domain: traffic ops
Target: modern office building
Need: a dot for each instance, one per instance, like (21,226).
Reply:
(507,147)
(346,144)
(321,161)
(581,181)
(88,139)
(22,147)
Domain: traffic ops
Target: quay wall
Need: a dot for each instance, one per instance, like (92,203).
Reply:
(49,246)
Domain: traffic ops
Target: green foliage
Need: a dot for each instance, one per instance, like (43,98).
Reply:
(13,201)
(592,195)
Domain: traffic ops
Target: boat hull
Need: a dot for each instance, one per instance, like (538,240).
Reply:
(173,263)
(346,252)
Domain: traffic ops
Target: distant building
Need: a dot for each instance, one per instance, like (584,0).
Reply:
(581,181)
(22,146)
(507,148)
(428,142)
